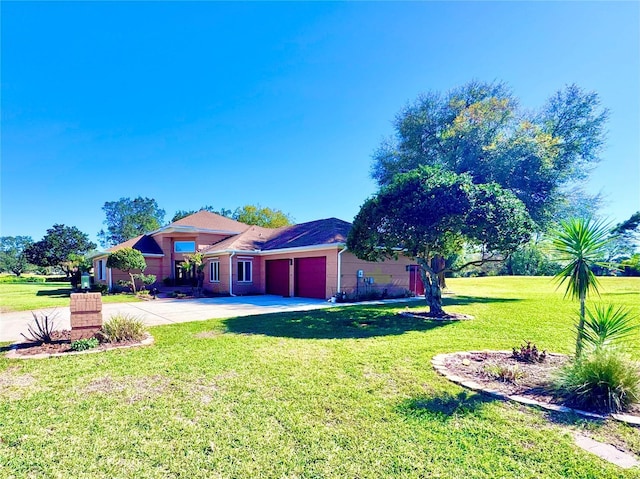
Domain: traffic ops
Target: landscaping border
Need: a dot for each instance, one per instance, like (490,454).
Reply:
(12,354)
(438,363)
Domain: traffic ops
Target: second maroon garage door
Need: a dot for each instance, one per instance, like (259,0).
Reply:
(310,277)
(277,276)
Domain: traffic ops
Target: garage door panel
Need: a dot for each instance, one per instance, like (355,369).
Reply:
(310,277)
(277,277)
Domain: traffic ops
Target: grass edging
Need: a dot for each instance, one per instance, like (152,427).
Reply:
(438,363)
(12,354)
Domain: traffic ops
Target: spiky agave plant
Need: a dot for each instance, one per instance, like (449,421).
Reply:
(580,242)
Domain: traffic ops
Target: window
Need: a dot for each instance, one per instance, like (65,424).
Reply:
(244,271)
(214,272)
(184,247)
(102,270)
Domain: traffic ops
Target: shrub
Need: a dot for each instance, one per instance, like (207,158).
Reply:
(100,288)
(41,328)
(84,344)
(145,279)
(603,381)
(529,353)
(57,279)
(21,279)
(117,289)
(507,374)
(123,327)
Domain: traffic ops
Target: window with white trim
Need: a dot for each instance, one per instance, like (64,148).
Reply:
(214,272)
(102,270)
(244,271)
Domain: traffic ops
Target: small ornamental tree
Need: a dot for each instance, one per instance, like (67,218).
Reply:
(580,243)
(127,260)
(430,211)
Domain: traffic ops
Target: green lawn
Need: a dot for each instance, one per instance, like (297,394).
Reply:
(347,392)
(28,296)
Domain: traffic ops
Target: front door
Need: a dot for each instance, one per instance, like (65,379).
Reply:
(415,280)
(184,276)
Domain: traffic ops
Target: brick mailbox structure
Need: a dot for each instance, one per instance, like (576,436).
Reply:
(86,315)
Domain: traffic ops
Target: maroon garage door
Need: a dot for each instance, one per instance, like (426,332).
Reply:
(310,277)
(277,276)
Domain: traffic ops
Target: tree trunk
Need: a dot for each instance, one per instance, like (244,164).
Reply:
(580,328)
(432,291)
(438,264)
(133,283)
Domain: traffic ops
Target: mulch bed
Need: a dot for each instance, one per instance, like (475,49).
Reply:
(62,345)
(427,315)
(533,379)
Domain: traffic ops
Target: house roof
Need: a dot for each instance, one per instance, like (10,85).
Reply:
(205,220)
(143,243)
(313,233)
(243,237)
(249,240)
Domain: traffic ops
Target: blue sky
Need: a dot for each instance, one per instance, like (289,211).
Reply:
(280,104)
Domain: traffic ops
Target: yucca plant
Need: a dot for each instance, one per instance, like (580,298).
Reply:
(606,324)
(580,242)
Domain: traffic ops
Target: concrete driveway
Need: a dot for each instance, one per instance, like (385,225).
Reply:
(168,311)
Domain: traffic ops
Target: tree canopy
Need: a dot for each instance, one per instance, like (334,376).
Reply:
(58,246)
(13,256)
(480,129)
(184,213)
(259,216)
(128,218)
(248,214)
(432,211)
(630,228)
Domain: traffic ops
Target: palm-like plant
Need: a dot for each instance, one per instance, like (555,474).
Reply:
(607,324)
(581,243)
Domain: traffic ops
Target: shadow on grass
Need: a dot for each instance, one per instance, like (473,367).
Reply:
(350,322)
(570,419)
(445,406)
(458,300)
(55,293)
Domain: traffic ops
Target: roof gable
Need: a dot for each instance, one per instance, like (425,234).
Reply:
(143,243)
(207,220)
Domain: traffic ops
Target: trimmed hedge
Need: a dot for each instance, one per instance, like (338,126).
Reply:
(22,279)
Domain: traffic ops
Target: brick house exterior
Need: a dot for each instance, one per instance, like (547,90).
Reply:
(305,260)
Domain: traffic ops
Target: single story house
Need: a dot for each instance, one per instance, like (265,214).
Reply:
(307,260)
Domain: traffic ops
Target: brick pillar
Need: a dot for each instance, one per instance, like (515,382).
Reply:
(86,315)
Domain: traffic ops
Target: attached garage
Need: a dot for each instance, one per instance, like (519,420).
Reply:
(277,277)
(310,277)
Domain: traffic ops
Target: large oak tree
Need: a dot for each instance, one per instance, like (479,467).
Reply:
(481,129)
(13,255)
(430,211)
(59,247)
(128,218)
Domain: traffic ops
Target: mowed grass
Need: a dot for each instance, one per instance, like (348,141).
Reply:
(29,296)
(345,392)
